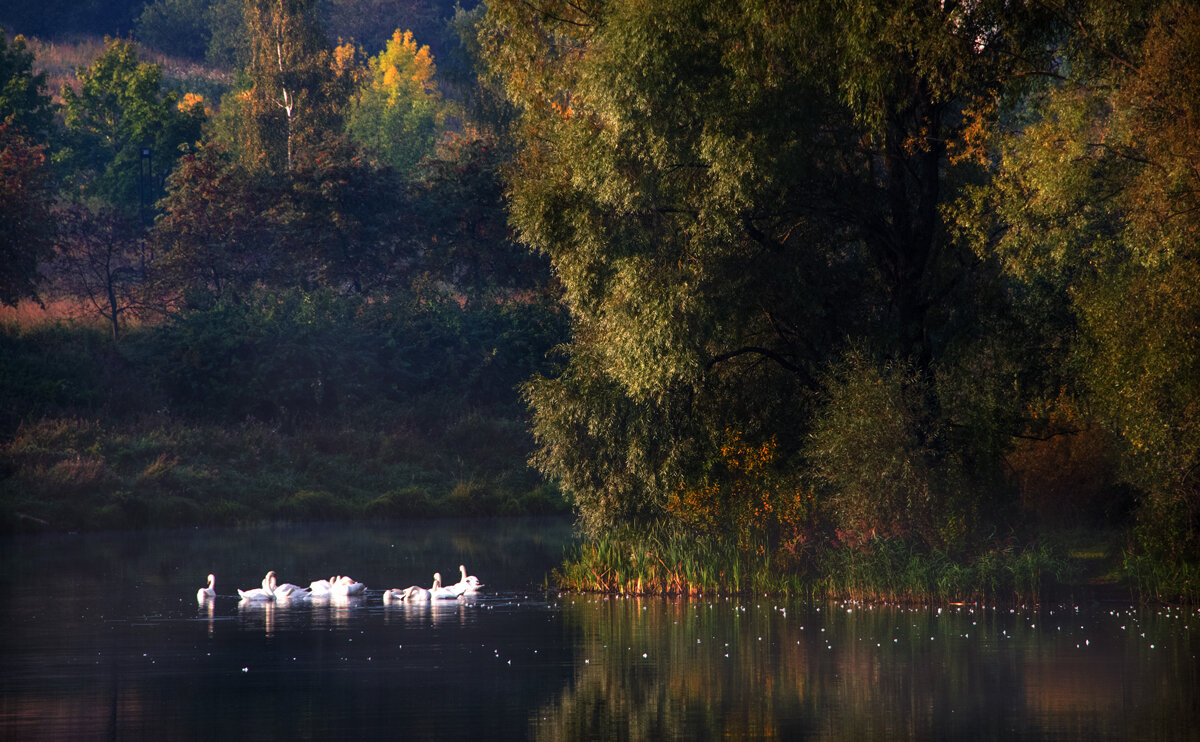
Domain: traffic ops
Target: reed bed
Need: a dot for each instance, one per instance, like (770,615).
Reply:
(662,561)
(1162,581)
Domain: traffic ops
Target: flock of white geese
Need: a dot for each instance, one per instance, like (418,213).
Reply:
(345,587)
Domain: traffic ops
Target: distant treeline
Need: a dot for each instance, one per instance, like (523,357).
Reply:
(312,304)
(210,29)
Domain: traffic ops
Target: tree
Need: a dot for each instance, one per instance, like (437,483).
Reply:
(397,112)
(343,220)
(1097,194)
(336,222)
(176,27)
(123,132)
(480,97)
(26,193)
(101,259)
(26,219)
(727,198)
(215,238)
(23,99)
(228,44)
(457,204)
(298,87)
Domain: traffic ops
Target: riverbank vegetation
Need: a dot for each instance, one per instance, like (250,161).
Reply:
(858,300)
(865,289)
(306,416)
(247,288)
(883,570)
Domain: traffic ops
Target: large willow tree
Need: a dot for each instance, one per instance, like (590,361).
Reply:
(745,205)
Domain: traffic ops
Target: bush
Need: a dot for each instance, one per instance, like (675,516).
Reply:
(872,451)
(313,505)
(277,354)
(48,369)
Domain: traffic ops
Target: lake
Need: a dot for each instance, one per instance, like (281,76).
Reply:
(101,637)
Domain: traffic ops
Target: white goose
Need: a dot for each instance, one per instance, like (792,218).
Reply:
(413,594)
(321,588)
(438,592)
(266,592)
(287,591)
(346,587)
(396,595)
(469,584)
(207,593)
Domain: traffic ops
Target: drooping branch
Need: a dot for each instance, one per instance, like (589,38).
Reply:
(757,350)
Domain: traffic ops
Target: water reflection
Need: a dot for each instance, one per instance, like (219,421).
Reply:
(683,669)
(208,610)
(117,648)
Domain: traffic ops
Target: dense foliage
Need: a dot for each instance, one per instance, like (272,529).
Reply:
(888,252)
(122,131)
(315,268)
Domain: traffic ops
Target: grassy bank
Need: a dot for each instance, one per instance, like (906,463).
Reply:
(1076,564)
(75,474)
(297,407)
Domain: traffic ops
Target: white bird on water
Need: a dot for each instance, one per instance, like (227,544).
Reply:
(207,593)
(266,592)
(438,592)
(287,591)
(469,583)
(346,586)
(321,588)
(413,593)
(283,591)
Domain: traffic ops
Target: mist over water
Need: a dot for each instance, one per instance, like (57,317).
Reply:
(102,638)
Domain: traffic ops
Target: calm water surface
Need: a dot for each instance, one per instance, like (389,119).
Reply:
(101,638)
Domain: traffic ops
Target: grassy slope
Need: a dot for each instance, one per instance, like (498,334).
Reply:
(73,474)
(87,443)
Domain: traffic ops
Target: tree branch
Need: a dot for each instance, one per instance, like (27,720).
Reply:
(764,352)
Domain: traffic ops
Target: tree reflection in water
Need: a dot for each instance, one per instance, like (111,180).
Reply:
(719,669)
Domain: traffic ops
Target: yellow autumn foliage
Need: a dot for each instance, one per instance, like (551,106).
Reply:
(403,68)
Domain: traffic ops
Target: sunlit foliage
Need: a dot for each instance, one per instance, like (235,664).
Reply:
(24,101)
(719,255)
(1096,194)
(297,90)
(397,113)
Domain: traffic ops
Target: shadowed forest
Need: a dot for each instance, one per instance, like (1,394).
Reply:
(892,300)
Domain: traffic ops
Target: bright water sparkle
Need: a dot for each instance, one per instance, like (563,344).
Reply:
(101,638)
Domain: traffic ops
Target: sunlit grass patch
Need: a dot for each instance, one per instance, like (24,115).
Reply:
(662,561)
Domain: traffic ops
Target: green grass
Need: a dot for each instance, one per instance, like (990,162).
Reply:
(78,474)
(175,426)
(660,561)
(1165,582)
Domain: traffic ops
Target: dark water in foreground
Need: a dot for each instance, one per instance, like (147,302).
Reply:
(101,638)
